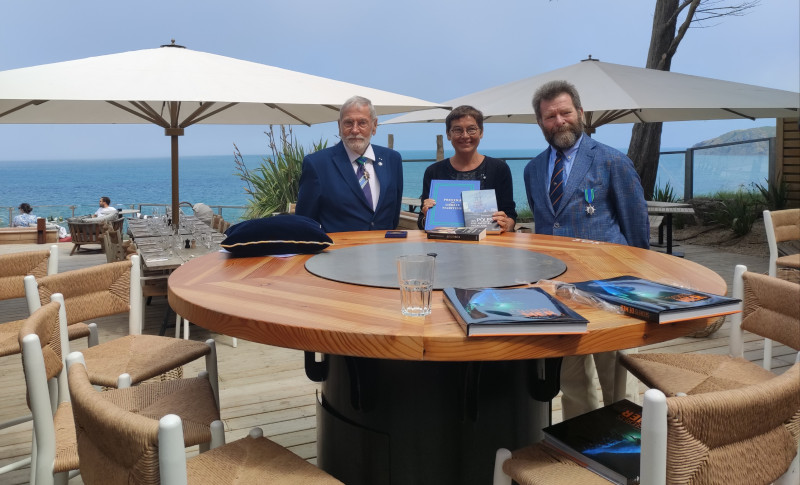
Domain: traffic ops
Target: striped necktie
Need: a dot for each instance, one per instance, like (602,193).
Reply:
(557,180)
(363,179)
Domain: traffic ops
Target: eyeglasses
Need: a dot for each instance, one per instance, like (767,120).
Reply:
(458,131)
(349,124)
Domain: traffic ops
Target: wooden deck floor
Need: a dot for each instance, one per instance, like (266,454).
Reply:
(266,386)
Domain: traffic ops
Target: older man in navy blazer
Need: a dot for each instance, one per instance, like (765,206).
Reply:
(354,185)
(584,189)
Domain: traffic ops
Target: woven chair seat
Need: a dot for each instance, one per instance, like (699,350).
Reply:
(191,399)
(254,460)
(540,465)
(9,335)
(789,261)
(694,373)
(141,356)
(66,445)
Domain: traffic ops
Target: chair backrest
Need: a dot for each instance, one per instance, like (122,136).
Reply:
(93,292)
(116,446)
(15,266)
(114,246)
(44,344)
(770,308)
(781,226)
(739,436)
(216,219)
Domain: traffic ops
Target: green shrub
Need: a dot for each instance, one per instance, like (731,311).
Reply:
(776,196)
(737,210)
(275,182)
(667,194)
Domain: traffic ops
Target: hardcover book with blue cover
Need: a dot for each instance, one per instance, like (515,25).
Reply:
(479,205)
(511,311)
(448,211)
(658,302)
(607,441)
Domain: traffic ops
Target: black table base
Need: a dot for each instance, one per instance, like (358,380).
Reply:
(406,422)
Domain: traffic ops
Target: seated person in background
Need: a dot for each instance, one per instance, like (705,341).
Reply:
(464,127)
(24,218)
(105,209)
(204,213)
(354,185)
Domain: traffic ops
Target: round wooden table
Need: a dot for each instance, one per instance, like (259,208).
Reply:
(407,397)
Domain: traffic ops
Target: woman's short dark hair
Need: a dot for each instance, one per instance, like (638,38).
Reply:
(550,91)
(462,111)
(25,207)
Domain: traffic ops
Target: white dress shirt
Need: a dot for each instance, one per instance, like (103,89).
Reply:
(374,183)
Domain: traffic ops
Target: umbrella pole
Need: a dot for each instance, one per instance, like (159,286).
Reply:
(174,133)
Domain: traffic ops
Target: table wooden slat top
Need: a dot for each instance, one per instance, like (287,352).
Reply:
(657,207)
(277,302)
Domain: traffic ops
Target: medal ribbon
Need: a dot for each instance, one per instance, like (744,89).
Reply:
(588,194)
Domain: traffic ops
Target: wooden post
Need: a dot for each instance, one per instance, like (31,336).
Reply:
(439,148)
(41,231)
(390,141)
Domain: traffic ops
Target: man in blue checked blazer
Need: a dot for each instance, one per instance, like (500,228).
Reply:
(354,185)
(581,188)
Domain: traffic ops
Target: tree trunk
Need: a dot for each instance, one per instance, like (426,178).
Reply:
(646,137)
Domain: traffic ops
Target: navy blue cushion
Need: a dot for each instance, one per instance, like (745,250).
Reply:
(282,234)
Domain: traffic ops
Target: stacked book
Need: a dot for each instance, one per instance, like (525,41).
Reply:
(462,211)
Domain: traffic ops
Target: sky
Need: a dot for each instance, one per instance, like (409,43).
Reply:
(433,50)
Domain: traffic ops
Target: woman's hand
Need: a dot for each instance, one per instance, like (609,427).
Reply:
(506,223)
(427,204)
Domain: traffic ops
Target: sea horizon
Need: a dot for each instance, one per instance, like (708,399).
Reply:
(56,184)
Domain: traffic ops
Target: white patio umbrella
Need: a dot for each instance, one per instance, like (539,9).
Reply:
(174,87)
(614,93)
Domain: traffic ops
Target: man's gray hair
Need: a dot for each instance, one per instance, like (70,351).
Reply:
(550,91)
(358,101)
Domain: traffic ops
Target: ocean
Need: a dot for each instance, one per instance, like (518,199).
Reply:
(52,186)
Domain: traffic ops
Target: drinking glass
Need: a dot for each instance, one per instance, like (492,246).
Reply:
(415,277)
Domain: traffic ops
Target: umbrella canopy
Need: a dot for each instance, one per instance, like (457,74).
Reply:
(613,93)
(174,87)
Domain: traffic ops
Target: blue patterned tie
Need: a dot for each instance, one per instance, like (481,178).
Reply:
(557,181)
(363,179)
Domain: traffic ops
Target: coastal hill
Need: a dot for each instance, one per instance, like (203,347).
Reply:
(761,148)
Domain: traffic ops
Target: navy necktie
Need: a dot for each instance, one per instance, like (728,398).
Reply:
(363,179)
(557,181)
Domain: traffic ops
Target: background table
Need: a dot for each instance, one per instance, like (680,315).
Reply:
(667,209)
(405,398)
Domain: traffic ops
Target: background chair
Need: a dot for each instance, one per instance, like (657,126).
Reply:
(739,436)
(13,269)
(91,232)
(771,309)
(783,227)
(119,447)
(116,248)
(110,289)
(54,453)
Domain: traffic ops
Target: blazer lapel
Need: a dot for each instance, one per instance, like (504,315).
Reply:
(381,167)
(583,161)
(543,168)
